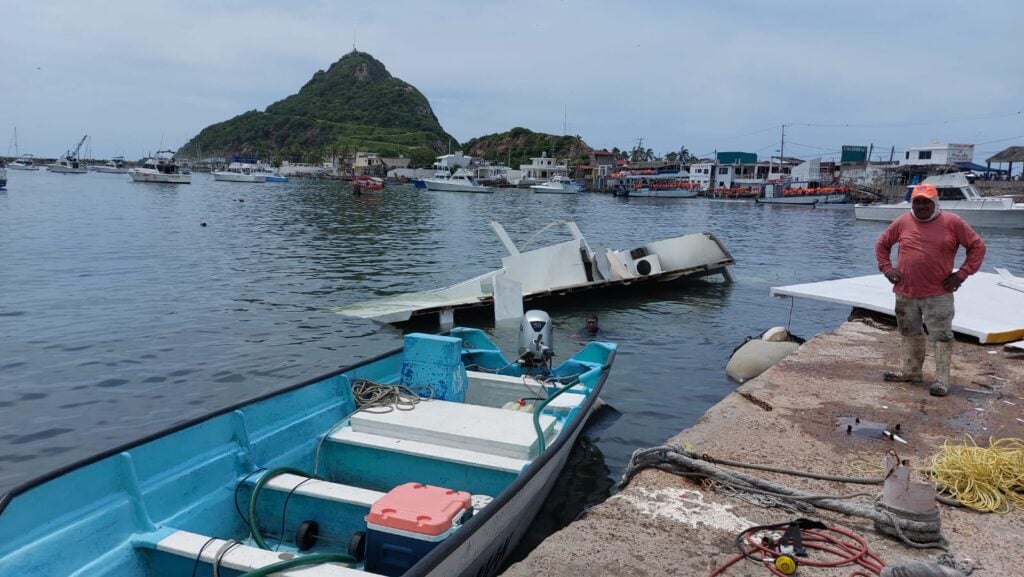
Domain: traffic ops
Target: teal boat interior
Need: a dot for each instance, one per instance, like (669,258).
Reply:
(307,480)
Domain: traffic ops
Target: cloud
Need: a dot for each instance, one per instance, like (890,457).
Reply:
(699,75)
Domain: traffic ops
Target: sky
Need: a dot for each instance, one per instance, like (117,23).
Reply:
(708,76)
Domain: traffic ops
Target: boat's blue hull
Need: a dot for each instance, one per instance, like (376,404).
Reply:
(127,511)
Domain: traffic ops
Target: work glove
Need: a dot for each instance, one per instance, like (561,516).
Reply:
(894,276)
(952,282)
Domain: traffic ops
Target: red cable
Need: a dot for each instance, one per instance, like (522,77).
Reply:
(849,553)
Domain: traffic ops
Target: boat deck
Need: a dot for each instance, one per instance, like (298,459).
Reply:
(986,307)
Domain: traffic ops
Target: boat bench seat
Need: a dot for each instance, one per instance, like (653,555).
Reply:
(318,489)
(466,457)
(476,428)
(492,389)
(240,557)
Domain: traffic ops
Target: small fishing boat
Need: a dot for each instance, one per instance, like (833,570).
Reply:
(115,165)
(69,163)
(366,184)
(21,161)
(657,185)
(461,181)
(24,162)
(431,460)
(161,168)
(958,196)
(557,185)
(240,171)
(810,195)
(270,174)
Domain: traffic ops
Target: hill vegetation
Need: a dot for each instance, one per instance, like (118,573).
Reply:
(354,105)
(519,145)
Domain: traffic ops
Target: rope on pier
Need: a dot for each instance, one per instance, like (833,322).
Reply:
(917,530)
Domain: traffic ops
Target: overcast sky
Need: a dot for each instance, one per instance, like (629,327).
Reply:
(708,76)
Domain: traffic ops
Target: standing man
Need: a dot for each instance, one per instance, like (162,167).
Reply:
(924,281)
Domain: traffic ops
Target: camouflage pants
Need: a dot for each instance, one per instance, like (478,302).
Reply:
(935,313)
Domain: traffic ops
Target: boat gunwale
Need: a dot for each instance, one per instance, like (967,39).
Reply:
(438,554)
(34,482)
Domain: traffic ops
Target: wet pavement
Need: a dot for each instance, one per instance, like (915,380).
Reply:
(795,415)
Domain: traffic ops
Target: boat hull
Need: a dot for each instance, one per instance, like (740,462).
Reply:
(21,167)
(111,170)
(67,170)
(663,193)
(161,178)
(455,187)
(540,189)
(805,200)
(236,177)
(990,213)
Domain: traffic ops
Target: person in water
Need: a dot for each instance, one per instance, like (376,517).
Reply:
(924,281)
(590,330)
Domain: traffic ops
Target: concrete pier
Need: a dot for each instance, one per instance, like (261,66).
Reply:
(663,524)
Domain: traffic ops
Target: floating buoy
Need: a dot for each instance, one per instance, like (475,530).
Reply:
(202,224)
(757,354)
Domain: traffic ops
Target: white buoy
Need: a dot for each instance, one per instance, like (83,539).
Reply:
(758,355)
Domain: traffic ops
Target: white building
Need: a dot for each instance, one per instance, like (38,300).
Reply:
(453,161)
(938,153)
(702,173)
(541,169)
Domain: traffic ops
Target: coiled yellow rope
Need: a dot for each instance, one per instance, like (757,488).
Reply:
(989,479)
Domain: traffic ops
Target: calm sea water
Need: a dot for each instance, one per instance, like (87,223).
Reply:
(121,315)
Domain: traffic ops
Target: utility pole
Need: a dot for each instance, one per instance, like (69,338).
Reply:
(782,151)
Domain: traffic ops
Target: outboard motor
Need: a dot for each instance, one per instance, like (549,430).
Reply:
(535,339)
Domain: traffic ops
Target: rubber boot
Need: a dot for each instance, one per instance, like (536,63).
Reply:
(919,569)
(943,356)
(913,351)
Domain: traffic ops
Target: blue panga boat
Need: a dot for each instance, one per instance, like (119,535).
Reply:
(404,464)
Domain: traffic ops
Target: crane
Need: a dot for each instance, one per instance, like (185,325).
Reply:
(77,148)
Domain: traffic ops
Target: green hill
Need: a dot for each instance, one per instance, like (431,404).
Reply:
(519,145)
(355,105)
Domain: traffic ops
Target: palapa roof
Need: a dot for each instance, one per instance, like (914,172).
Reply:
(1011,154)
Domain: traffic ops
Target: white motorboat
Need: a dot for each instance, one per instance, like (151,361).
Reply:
(115,165)
(239,171)
(24,162)
(557,185)
(270,174)
(161,168)
(461,181)
(69,163)
(959,197)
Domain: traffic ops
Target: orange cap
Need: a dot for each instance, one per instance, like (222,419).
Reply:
(926,191)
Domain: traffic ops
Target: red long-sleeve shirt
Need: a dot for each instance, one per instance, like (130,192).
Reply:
(926,252)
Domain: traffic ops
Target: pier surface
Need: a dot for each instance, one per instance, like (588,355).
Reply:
(664,524)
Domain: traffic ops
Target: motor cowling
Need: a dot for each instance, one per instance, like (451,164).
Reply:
(536,340)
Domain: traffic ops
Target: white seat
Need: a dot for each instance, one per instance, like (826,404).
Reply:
(346,435)
(326,490)
(460,426)
(240,557)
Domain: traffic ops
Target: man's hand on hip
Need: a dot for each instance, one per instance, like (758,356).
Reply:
(952,282)
(894,276)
